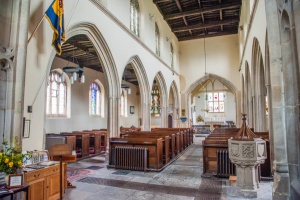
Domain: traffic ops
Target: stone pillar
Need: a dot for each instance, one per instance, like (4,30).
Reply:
(113,127)
(146,117)
(278,136)
(13,61)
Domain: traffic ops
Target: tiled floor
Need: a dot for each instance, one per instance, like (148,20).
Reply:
(181,180)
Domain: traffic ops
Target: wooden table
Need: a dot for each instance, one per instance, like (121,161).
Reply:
(15,191)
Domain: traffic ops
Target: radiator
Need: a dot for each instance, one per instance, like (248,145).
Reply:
(131,158)
(225,167)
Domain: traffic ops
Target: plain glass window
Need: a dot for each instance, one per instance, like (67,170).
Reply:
(56,96)
(157,40)
(134,17)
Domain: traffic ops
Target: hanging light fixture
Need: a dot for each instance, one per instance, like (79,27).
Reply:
(75,72)
(206,96)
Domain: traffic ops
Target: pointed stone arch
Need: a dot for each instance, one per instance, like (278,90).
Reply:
(144,87)
(227,83)
(174,89)
(243,94)
(163,98)
(248,95)
(259,88)
(109,68)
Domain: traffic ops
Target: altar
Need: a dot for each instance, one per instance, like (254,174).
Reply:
(211,121)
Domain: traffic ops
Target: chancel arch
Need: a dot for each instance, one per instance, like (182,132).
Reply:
(208,81)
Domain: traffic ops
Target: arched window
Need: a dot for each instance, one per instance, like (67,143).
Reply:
(95,99)
(216,101)
(157,40)
(134,17)
(172,56)
(155,104)
(56,96)
(123,103)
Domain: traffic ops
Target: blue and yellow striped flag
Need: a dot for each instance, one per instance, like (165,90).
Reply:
(55,16)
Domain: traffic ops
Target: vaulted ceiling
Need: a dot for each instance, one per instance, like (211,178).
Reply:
(194,19)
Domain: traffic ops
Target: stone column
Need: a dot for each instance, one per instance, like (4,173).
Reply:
(14,17)
(278,136)
(113,127)
(146,116)
(13,61)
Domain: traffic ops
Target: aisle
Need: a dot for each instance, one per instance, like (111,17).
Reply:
(180,180)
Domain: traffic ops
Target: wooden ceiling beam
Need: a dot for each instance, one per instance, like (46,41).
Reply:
(233,4)
(203,26)
(161,1)
(94,61)
(184,19)
(208,35)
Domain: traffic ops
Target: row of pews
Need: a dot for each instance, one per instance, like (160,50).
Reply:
(217,142)
(85,143)
(148,150)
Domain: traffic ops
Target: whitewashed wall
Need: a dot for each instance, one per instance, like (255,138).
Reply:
(255,27)
(221,59)
(122,44)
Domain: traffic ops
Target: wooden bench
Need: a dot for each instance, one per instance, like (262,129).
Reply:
(174,143)
(218,141)
(52,138)
(82,143)
(99,139)
(187,134)
(165,139)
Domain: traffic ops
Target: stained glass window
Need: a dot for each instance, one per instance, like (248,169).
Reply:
(216,102)
(157,40)
(95,99)
(155,104)
(134,16)
(56,96)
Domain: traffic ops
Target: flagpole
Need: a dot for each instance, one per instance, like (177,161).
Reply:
(36,28)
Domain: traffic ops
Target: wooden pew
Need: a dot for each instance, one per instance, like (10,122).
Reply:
(104,138)
(98,138)
(154,146)
(82,143)
(181,143)
(71,140)
(218,140)
(165,139)
(174,143)
(187,134)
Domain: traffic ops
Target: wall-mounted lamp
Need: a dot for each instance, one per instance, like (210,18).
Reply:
(151,17)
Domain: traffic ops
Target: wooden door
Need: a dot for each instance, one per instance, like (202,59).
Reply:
(53,187)
(36,189)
